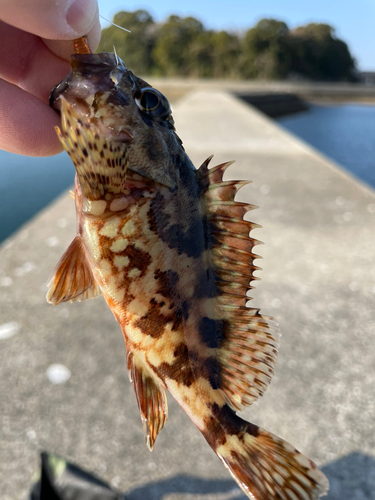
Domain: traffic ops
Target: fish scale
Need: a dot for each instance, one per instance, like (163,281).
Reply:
(168,247)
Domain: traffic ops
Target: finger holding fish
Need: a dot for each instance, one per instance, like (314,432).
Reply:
(36,44)
(63,20)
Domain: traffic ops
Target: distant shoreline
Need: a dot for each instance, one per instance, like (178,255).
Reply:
(331,101)
(314,92)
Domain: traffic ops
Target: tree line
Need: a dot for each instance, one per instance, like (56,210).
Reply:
(182,46)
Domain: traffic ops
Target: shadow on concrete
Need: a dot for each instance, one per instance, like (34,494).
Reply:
(351,478)
(183,484)
(62,480)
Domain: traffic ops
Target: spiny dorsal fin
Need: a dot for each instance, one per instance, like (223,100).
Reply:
(101,165)
(152,402)
(248,351)
(72,279)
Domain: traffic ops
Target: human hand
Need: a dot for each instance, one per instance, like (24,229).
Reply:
(36,42)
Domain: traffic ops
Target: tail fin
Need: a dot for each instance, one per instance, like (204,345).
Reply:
(265,466)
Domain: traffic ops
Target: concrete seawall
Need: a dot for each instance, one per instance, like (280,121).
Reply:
(275,104)
(315,92)
(318,280)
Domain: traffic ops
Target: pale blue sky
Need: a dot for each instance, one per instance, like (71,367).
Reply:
(354,20)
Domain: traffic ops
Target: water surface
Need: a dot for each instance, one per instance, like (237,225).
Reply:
(28,184)
(344,132)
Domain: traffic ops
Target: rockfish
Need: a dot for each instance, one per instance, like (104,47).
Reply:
(168,247)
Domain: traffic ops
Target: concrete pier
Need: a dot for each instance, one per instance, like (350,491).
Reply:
(318,280)
(330,92)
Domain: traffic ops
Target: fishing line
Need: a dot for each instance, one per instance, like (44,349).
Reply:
(116,56)
(117,26)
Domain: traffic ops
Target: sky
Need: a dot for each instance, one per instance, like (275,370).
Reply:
(353,20)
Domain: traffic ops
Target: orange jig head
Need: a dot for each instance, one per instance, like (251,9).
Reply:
(81,45)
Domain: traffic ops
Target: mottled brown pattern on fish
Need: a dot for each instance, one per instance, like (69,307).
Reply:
(152,290)
(171,253)
(179,370)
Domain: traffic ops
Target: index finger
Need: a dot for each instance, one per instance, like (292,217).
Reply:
(62,20)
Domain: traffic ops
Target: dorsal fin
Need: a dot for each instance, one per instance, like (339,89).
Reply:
(72,279)
(249,345)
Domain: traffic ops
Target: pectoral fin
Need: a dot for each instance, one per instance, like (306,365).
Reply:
(73,279)
(152,402)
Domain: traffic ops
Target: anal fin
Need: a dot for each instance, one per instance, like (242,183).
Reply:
(151,399)
(73,279)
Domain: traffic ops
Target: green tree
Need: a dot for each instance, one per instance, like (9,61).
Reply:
(266,51)
(226,53)
(320,55)
(200,55)
(134,48)
(182,46)
(172,52)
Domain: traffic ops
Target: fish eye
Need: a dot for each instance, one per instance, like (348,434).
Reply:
(152,102)
(149,101)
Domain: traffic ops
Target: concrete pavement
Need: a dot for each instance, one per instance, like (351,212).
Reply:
(318,280)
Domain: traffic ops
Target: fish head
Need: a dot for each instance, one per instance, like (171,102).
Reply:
(125,110)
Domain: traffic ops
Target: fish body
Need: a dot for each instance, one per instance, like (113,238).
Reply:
(168,248)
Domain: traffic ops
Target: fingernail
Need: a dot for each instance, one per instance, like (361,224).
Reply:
(80,15)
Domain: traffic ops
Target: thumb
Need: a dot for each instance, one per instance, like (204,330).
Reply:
(63,20)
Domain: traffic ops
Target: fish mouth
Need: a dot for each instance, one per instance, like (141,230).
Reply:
(101,95)
(89,87)
(89,73)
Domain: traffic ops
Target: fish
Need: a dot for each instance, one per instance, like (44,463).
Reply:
(168,247)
